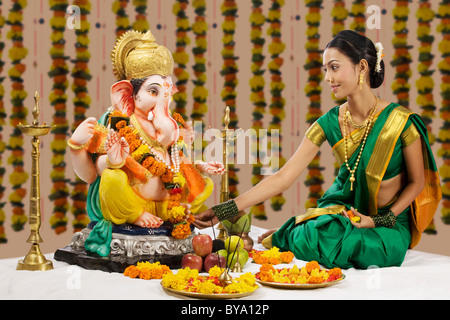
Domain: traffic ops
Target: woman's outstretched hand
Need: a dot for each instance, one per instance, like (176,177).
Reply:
(205,219)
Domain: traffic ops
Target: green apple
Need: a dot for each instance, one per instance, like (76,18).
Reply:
(223,253)
(243,258)
(231,243)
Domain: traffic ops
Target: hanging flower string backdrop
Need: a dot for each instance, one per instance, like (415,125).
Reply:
(82,100)
(257,84)
(19,112)
(122,20)
(276,48)
(313,90)
(425,83)
(199,93)
(58,99)
(444,133)
(402,57)
(229,72)
(180,56)
(3,238)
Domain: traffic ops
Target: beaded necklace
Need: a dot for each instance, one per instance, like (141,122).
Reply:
(366,133)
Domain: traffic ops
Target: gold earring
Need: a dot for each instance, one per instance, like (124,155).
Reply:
(361,81)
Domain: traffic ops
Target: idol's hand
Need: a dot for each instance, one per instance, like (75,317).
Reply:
(365,221)
(117,148)
(205,219)
(211,167)
(84,131)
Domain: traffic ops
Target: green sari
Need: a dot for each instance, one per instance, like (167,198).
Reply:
(324,235)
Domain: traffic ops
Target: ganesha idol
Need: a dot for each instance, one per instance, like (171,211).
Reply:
(143,186)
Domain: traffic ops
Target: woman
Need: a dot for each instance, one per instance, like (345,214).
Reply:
(387,176)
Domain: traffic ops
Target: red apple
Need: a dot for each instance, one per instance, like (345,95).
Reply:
(202,244)
(214,259)
(192,261)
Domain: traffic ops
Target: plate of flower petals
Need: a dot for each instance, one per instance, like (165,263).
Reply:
(188,282)
(310,276)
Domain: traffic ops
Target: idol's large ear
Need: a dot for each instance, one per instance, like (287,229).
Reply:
(122,97)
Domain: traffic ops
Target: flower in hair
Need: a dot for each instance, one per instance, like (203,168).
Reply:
(380,55)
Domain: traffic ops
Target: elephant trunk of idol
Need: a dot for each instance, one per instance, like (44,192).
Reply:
(166,128)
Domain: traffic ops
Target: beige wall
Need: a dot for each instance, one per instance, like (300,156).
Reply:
(37,40)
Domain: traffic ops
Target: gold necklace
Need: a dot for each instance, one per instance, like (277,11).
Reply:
(348,116)
(366,133)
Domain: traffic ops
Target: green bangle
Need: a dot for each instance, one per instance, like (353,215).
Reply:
(387,220)
(226,210)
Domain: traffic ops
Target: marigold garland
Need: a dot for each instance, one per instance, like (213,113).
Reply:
(81,76)
(229,71)
(443,13)
(276,48)
(17,54)
(313,89)
(3,238)
(122,20)
(180,56)
(358,12)
(257,84)
(339,14)
(425,83)
(199,93)
(58,72)
(402,57)
(141,23)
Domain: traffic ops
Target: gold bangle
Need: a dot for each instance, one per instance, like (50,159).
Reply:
(75,146)
(115,166)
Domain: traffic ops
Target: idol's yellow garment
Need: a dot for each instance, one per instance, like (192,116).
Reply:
(121,204)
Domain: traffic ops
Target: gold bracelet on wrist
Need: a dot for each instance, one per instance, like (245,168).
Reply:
(75,146)
(115,166)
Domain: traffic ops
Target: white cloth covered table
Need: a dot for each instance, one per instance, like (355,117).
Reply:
(422,276)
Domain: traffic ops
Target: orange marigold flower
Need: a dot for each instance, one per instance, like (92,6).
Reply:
(314,280)
(310,266)
(134,145)
(266,276)
(131,271)
(181,231)
(335,271)
(286,257)
(145,274)
(130,137)
(124,131)
(266,268)
(167,177)
(121,124)
(148,162)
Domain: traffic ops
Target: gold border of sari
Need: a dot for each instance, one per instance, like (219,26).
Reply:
(379,160)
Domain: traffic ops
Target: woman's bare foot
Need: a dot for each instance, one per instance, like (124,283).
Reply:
(148,220)
(265,235)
